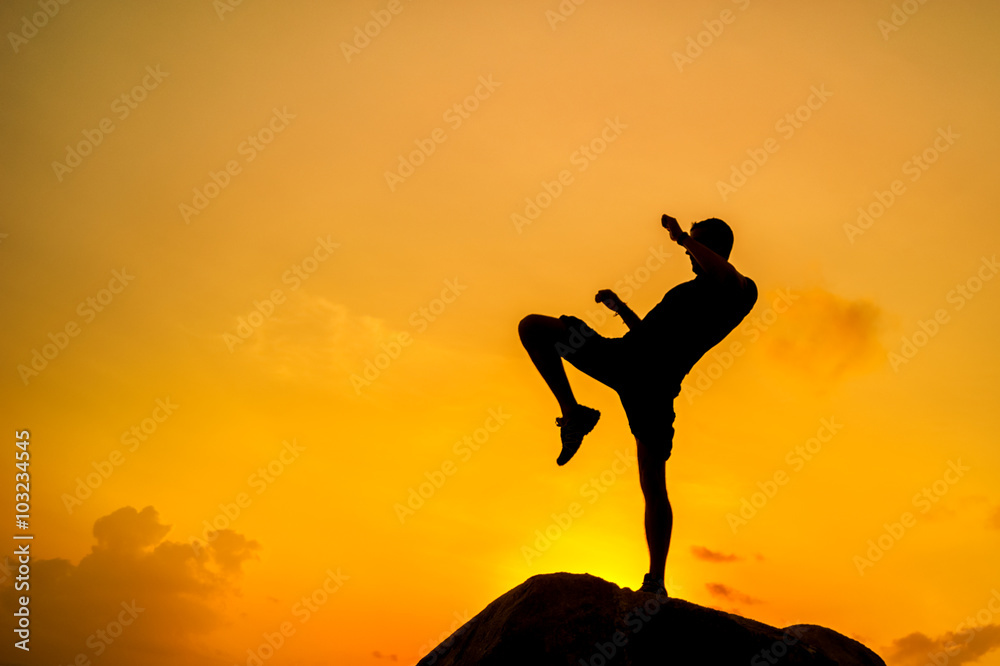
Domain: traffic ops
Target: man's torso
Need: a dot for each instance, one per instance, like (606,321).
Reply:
(692,318)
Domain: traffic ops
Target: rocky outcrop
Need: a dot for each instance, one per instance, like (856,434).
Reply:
(575,619)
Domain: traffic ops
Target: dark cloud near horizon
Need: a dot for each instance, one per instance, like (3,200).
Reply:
(729,594)
(964,647)
(703,553)
(155,600)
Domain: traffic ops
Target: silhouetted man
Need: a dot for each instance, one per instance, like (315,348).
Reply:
(647,364)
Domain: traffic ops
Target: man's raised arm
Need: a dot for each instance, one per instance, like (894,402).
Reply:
(713,264)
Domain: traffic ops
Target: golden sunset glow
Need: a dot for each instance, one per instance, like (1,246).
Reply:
(263,266)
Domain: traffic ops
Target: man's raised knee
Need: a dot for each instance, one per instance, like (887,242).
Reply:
(530,326)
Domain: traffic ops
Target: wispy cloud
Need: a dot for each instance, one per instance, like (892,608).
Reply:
(953,649)
(702,553)
(311,337)
(721,591)
(824,337)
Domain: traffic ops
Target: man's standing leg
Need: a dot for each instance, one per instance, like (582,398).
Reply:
(659,515)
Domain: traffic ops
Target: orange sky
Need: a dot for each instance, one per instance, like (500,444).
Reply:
(272,272)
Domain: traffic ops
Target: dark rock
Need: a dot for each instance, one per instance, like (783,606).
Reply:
(581,620)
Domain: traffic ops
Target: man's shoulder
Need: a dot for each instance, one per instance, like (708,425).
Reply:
(743,290)
(681,289)
(734,284)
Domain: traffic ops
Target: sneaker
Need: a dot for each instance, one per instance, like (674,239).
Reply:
(653,585)
(573,428)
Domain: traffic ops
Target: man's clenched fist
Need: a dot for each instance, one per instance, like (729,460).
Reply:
(670,224)
(609,298)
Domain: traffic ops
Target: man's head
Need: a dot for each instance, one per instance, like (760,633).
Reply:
(714,234)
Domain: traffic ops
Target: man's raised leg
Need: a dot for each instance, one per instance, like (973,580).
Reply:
(659,515)
(539,335)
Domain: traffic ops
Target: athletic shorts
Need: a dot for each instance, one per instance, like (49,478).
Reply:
(615,362)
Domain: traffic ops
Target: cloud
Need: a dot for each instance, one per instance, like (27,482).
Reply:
(729,594)
(310,337)
(951,648)
(135,599)
(312,340)
(702,553)
(127,530)
(824,337)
